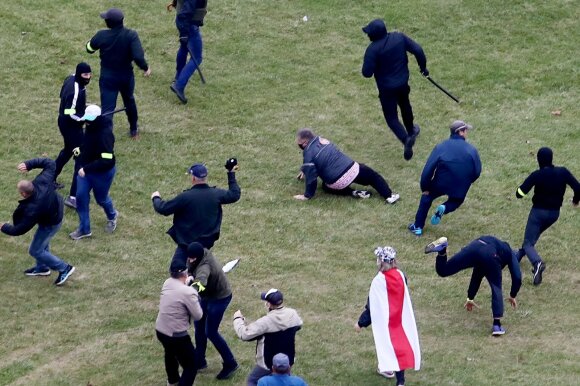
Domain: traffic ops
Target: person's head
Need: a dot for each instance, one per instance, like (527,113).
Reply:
(25,188)
(92,112)
(195,252)
(386,258)
(376,29)
(198,174)
(303,137)
(178,270)
(281,364)
(545,157)
(273,298)
(83,73)
(113,17)
(460,128)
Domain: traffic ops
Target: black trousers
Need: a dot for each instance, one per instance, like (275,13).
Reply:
(538,221)
(72,133)
(390,100)
(113,84)
(179,351)
(366,177)
(485,263)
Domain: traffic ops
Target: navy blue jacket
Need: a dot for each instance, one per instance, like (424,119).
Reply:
(386,56)
(119,47)
(323,159)
(189,12)
(44,206)
(451,168)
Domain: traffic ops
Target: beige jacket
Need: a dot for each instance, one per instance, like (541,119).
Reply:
(179,304)
(279,319)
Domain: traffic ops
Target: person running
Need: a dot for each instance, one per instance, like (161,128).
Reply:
(549,183)
(390,312)
(386,59)
(487,255)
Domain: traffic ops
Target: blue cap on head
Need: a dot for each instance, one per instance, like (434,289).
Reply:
(198,171)
(281,362)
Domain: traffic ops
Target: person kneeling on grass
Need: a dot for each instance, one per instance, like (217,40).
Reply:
(487,255)
(337,170)
(390,312)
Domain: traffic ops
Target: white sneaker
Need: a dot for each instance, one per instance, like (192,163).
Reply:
(386,374)
(394,198)
(361,194)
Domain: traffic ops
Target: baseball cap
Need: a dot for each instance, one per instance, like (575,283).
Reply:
(281,362)
(272,296)
(91,113)
(113,14)
(177,266)
(386,254)
(198,170)
(459,125)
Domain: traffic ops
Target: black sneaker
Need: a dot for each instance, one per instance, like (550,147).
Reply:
(537,272)
(408,151)
(227,371)
(36,272)
(64,275)
(179,93)
(416,130)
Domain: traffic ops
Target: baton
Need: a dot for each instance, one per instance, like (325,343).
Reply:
(196,65)
(114,111)
(442,89)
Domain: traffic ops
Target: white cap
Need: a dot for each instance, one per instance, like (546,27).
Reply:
(91,112)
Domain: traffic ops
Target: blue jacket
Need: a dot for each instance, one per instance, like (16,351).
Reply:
(451,168)
(386,56)
(323,159)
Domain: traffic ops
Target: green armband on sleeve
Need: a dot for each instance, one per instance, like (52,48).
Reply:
(107,155)
(521,192)
(69,111)
(89,48)
(198,286)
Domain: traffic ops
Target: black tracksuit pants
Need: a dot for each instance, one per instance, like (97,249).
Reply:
(538,221)
(366,177)
(179,351)
(113,84)
(72,133)
(390,100)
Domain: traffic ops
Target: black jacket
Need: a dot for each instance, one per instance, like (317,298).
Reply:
(97,154)
(73,99)
(549,183)
(197,212)
(44,206)
(386,56)
(119,47)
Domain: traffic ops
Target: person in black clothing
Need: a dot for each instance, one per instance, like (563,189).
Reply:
(41,205)
(549,183)
(73,99)
(197,212)
(96,172)
(487,255)
(386,59)
(119,47)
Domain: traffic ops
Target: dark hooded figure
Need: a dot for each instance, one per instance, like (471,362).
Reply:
(119,47)
(73,99)
(386,59)
(549,183)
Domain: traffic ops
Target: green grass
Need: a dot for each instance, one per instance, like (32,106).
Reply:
(269,73)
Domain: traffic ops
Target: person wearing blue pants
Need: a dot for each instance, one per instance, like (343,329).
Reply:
(549,183)
(189,19)
(97,171)
(41,205)
(487,255)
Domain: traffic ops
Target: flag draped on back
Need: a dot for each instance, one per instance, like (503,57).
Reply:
(393,323)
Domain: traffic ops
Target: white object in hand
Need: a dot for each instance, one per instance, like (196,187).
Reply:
(230,265)
(305,19)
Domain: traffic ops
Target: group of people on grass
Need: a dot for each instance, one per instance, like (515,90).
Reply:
(198,289)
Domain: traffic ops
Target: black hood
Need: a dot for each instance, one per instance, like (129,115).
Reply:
(545,157)
(376,29)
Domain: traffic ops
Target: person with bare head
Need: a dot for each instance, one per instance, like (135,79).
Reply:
(321,158)
(42,205)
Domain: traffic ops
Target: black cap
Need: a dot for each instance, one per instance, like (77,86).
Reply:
(195,250)
(113,14)
(177,266)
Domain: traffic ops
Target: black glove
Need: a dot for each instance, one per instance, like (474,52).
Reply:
(183,39)
(231,165)
(425,72)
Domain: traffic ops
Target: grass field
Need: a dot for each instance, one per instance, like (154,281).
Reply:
(269,73)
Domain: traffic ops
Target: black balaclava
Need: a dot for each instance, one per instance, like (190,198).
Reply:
(113,23)
(82,68)
(545,157)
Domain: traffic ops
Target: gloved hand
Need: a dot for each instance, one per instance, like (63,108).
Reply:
(425,72)
(231,165)
(183,39)
(76,151)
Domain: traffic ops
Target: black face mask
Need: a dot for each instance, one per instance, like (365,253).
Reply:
(84,81)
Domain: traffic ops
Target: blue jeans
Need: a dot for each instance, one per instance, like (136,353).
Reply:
(207,328)
(184,70)
(538,221)
(40,249)
(451,205)
(99,183)
(113,84)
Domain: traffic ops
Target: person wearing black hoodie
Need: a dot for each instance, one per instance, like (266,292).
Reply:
(549,183)
(119,47)
(73,99)
(41,205)
(386,59)
(97,170)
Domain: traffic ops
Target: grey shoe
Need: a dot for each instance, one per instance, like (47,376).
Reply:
(112,224)
(361,194)
(77,235)
(71,202)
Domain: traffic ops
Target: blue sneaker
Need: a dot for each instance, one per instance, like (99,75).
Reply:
(437,245)
(415,230)
(64,275)
(436,218)
(497,330)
